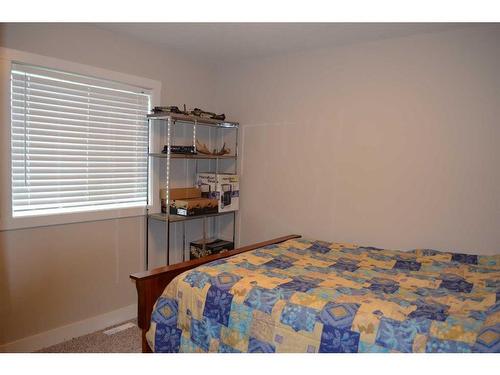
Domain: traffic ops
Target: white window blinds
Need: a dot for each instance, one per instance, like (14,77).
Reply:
(78,143)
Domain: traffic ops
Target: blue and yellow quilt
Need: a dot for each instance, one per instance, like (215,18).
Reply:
(313,296)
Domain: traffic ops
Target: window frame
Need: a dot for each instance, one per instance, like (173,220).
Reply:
(7,221)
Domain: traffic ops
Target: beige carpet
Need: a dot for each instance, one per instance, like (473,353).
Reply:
(127,341)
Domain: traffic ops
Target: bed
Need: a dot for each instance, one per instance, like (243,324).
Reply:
(299,295)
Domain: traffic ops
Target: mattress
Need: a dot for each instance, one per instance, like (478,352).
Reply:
(314,297)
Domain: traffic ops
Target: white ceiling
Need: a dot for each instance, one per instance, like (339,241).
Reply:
(232,42)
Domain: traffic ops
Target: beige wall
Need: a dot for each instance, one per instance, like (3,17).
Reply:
(184,81)
(56,275)
(392,143)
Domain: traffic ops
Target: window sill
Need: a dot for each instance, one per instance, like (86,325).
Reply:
(70,218)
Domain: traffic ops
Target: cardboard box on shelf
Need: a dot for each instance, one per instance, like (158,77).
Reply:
(178,193)
(181,193)
(229,187)
(193,206)
(223,187)
(207,183)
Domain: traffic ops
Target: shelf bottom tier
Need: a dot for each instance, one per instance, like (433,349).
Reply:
(178,218)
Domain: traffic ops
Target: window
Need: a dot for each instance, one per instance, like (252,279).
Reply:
(78,143)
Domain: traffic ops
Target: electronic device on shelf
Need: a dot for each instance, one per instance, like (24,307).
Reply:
(205,114)
(195,112)
(169,109)
(226,195)
(202,248)
(185,150)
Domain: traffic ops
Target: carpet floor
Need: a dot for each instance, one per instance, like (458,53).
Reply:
(127,341)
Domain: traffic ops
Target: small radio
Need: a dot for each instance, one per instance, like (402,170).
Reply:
(186,150)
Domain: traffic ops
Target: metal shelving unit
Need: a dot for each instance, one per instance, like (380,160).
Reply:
(171,120)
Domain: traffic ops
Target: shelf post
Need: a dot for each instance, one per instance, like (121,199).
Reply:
(169,125)
(204,239)
(194,134)
(183,241)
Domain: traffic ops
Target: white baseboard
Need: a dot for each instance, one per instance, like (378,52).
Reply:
(67,332)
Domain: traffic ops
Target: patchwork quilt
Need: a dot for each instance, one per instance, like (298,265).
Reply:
(312,296)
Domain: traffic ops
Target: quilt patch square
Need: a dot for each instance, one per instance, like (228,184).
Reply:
(235,339)
(218,305)
(284,294)
(197,279)
(262,299)
(240,317)
(320,247)
(199,334)
(202,331)
(339,315)
(188,346)
(262,326)
(335,340)
(278,263)
(409,265)
(225,280)
(456,284)
(396,335)
(464,258)
(165,312)
(432,311)
(167,338)
(344,266)
(383,285)
(488,340)
(298,285)
(298,317)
